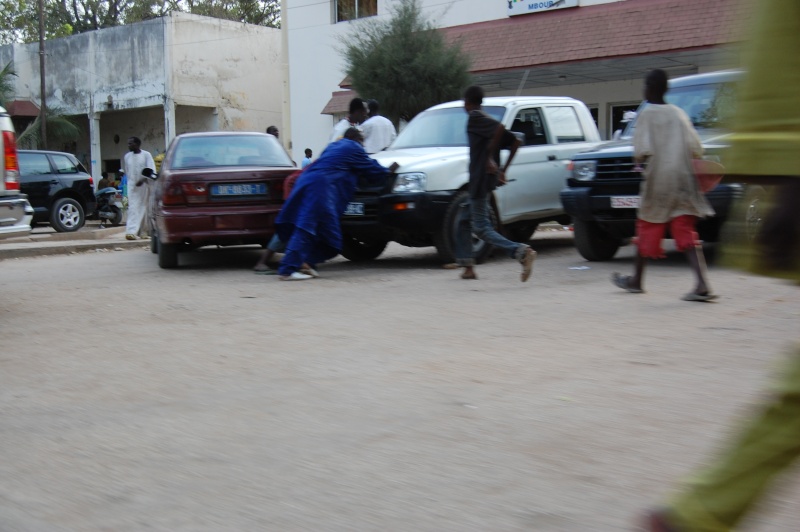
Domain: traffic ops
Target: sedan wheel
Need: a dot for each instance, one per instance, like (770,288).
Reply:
(67,215)
(167,255)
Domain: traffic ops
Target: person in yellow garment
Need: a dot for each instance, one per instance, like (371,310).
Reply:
(765,149)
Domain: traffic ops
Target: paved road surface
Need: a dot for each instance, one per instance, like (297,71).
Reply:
(386,396)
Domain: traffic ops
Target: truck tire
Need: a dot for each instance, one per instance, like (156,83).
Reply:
(444,238)
(67,215)
(356,250)
(167,255)
(593,243)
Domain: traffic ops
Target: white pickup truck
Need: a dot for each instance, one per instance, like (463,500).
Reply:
(420,207)
(15,211)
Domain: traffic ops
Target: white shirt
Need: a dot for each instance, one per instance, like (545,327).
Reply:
(379,132)
(340,129)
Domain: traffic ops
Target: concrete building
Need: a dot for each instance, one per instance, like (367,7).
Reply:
(595,50)
(154,80)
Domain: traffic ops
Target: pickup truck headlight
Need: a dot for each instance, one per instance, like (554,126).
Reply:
(412,182)
(584,170)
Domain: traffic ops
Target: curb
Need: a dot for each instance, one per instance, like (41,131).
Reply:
(42,244)
(34,250)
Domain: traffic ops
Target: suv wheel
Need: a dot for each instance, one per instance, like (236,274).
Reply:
(358,251)
(445,238)
(593,243)
(67,215)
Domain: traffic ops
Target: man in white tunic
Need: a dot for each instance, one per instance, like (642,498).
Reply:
(671,198)
(378,130)
(134,162)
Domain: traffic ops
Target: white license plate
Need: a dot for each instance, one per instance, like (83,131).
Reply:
(354,209)
(239,189)
(625,202)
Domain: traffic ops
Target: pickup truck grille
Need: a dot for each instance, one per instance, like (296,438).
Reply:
(617,168)
(368,195)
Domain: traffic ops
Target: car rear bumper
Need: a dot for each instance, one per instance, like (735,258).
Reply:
(197,227)
(15,216)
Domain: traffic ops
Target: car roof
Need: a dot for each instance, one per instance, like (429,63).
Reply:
(509,101)
(224,134)
(47,151)
(721,76)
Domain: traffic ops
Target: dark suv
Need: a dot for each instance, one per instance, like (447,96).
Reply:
(59,188)
(602,194)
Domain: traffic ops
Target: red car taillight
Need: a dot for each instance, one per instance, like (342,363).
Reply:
(10,160)
(195,192)
(173,195)
(182,193)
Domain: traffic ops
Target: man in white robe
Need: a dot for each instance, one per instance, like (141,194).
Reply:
(134,162)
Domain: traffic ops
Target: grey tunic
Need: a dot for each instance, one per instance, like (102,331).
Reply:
(665,138)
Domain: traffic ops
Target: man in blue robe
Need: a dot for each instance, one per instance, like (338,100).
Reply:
(309,220)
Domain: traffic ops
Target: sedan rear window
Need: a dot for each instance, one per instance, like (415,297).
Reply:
(229,150)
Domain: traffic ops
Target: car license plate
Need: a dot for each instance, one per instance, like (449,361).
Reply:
(625,202)
(239,189)
(354,209)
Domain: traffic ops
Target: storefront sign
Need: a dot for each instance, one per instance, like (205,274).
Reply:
(523,7)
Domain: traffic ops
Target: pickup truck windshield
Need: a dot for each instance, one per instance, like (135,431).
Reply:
(439,127)
(710,106)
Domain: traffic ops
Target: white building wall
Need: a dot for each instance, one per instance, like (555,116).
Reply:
(316,66)
(229,66)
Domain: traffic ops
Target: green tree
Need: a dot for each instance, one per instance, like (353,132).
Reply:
(404,62)
(60,128)
(7,84)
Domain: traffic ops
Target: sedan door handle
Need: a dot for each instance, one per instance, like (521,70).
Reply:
(551,157)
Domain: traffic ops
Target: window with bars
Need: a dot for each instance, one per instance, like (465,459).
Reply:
(353,9)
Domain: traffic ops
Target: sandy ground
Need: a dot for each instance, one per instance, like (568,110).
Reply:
(383,396)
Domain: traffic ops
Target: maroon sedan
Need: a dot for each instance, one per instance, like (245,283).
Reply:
(221,188)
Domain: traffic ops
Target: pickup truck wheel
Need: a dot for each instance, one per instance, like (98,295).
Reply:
(67,215)
(167,255)
(521,233)
(444,239)
(593,243)
(356,250)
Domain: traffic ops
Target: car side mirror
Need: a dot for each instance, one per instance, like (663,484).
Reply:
(617,135)
(520,137)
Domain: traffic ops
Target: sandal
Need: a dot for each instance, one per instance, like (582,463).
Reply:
(624,282)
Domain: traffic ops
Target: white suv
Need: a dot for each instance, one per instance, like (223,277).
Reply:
(15,211)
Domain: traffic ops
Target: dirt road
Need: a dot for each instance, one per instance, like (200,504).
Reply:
(386,396)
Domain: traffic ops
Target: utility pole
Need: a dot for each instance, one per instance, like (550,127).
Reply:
(43,107)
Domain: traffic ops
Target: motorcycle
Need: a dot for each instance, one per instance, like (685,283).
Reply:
(109,206)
